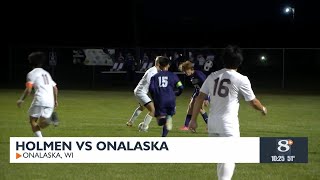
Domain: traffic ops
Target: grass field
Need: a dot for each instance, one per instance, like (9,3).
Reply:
(104,114)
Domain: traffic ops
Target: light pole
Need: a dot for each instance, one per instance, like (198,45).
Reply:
(289,10)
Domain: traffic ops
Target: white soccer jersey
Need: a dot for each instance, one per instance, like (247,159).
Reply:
(43,85)
(143,86)
(225,87)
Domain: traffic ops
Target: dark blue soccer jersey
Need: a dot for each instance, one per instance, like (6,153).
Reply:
(162,89)
(197,79)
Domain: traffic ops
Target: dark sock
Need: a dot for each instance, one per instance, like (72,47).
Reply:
(205,117)
(164,131)
(186,122)
(162,121)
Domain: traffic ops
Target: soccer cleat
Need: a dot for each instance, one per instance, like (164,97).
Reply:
(169,124)
(55,119)
(129,123)
(184,128)
(142,128)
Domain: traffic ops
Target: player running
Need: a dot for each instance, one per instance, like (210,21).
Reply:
(197,78)
(225,88)
(162,90)
(45,97)
(141,93)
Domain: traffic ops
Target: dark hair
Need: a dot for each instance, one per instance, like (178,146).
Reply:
(232,57)
(37,59)
(163,61)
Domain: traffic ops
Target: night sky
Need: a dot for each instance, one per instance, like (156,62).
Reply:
(164,23)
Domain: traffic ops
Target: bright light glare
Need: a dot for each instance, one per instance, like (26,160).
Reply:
(287,9)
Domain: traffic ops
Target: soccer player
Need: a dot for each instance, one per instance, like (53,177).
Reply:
(45,97)
(163,87)
(225,88)
(141,94)
(197,78)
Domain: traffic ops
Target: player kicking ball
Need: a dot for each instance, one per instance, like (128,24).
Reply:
(197,78)
(141,94)
(163,88)
(45,97)
(225,87)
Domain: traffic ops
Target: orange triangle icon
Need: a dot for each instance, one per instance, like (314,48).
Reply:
(18,155)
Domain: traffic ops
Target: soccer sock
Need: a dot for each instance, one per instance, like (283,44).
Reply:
(135,115)
(205,117)
(186,122)
(169,122)
(147,120)
(225,170)
(164,131)
(38,134)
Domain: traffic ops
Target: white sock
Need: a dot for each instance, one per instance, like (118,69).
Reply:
(38,134)
(225,170)
(147,120)
(135,115)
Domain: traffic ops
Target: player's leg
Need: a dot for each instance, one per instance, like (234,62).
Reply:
(225,170)
(137,111)
(135,115)
(170,111)
(162,121)
(34,126)
(34,115)
(148,117)
(43,122)
(188,116)
(45,117)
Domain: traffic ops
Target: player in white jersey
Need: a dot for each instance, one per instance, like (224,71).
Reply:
(141,93)
(45,97)
(225,88)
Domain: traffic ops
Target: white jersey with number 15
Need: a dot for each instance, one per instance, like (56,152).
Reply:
(43,84)
(225,87)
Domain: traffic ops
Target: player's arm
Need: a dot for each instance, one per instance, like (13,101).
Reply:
(249,96)
(55,93)
(180,88)
(152,87)
(204,92)
(196,109)
(25,93)
(256,104)
(202,78)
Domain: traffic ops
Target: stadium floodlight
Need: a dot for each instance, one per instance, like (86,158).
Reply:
(289,10)
(263,58)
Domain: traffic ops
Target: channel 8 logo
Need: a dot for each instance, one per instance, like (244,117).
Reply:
(284,146)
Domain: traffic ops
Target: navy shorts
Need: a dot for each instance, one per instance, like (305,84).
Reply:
(163,111)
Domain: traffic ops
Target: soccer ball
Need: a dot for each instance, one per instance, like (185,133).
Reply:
(142,128)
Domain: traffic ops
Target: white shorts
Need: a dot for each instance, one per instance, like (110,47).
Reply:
(40,111)
(143,99)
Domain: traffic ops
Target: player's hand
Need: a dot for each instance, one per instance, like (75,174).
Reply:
(56,104)
(19,103)
(193,126)
(264,111)
(206,103)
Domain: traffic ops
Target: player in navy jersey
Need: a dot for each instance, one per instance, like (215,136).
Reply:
(164,87)
(197,78)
